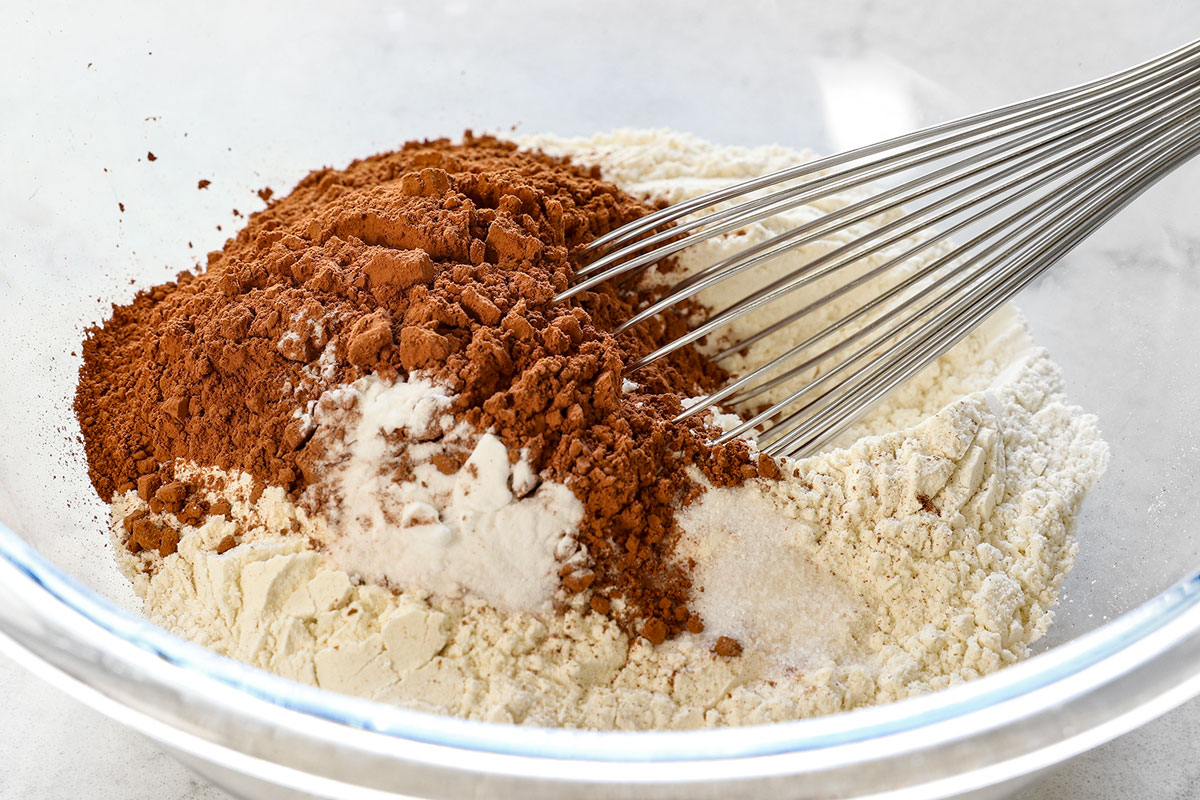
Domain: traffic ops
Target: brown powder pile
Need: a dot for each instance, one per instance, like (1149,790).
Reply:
(438,257)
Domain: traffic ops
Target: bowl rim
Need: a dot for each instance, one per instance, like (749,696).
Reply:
(1054,677)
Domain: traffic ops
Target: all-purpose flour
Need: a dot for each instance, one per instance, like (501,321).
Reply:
(927,549)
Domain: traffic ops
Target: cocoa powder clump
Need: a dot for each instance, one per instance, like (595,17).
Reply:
(439,257)
(727,647)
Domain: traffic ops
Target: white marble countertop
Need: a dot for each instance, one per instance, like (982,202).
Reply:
(52,747)
(122,84)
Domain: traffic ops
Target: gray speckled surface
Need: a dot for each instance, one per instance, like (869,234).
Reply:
(52,747)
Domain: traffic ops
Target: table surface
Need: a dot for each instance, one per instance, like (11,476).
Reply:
(53,747)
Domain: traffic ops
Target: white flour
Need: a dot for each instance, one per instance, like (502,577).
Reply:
(927,550)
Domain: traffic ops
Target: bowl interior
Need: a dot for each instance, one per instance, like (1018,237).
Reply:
(248,98)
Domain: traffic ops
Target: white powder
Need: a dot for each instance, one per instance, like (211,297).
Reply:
(758,583)
(927,549)
(488,530)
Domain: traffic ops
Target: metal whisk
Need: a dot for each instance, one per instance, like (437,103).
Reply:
(1023,185)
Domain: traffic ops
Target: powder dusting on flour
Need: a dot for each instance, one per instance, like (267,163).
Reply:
(400,517)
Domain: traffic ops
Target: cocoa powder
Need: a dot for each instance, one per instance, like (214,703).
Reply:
(439,257)
(727,647)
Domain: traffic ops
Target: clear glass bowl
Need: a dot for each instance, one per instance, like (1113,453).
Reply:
(249,97)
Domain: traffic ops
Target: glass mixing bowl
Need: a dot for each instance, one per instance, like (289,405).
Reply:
(250,96)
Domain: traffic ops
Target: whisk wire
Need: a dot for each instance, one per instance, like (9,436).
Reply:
(859,212)
(1131,78)
(1025,183)
(1040,250)
(1008,191)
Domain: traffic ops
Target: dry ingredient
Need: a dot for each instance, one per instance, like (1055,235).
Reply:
(926,550)
(440,259)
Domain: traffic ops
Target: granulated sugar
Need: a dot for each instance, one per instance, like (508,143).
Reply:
(756,582)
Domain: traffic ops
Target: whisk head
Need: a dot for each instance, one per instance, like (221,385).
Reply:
(1016,187)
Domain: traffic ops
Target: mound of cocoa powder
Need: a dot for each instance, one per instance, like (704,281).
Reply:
(438,257)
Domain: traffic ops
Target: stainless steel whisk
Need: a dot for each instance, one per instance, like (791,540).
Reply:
(1023,184)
